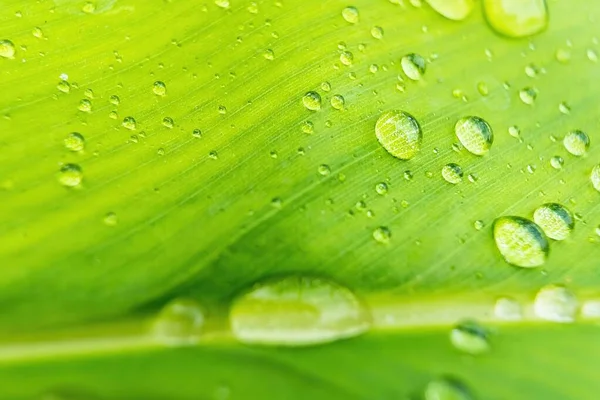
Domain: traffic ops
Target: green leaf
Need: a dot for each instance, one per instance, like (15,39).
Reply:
(200,169)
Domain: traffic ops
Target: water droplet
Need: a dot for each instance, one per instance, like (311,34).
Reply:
(520,241)
(452,173)
(307,127)
(129,123)
(557,162)
(531,70)
(399,133)
(564,108)
(85,105)
(447,388)
(555,303)
(474,134)
(70,175)
(528,95)
(64,86)
(413,66)
(74,141)
(337,102)
(222,3)
(478,224)
(110,219)
(482,88)
(168,122)
(37,32)
(382,235)
(312,101)
(470,337)
(514,131)
(346,58)
(377,32)
(555,220)
(7,49)
(269,54)
(89,8)
(297,311)
(563,55)
(452,9)
(114,100)
(159,88)
(516,18)
(324,170)
(179,323)
(89,93)
(350,14)
(592,55)
(508,309)
(222,110)
(381,188)
(326,86)
(577,143)
(595,177)
(197,133)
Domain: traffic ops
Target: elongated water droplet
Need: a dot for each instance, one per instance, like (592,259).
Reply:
(7,49)
(350,14)
(555,220)
(452,9)
(555,303)
(508,309)
(312,101)
(516,18)
(470,337)
(447,388)
(475,134)
(577,143)
(528,95)
(179,323)
(377,32)
(413,66)
(399,133)
(74,141)
(452,173)
(520,241)
(70,175)
(595,177)
(297,311)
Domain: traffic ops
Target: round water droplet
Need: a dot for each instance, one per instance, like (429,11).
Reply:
(381,188)
(159,88)
(516,18)
(452,173)
(110,219)
(564,108)
(520,241)
(478,224)
(346,58)
(470,337)
(269,54)
(197,133)
(129,123)
(447,388)
(114,100)
(337,102)
(7,49)
(452,9)
(168,122)
(577,143)
(308,127)
(324,170)
(85,105)
(350,14)
(508,309)
(555,220)
(297,311)
(557,162)
(399,133)
(528,95)
(377,32)
(413,66)
(592,55)
(64,86)
(595,177)
(514,131)
(222,3)
(555,303)
(312,101)
(475,134)
(179,323)
(326,86)
(222,110)
(70,175)
(483,89)
(89,93)
(382,234)
(74,141)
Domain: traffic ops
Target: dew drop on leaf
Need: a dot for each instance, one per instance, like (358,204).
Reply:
(346,58)
(452,9)
(338,102)
(447,388)
(312,101)
(377,32)
(528,95)
(475,134)
(452,173)
(85,105)
(70,175)
(381,188)
(179,323)
(555,303)
(168,122)
(470,337)
(413,66)
(74,141)
(7,49)
(557,162)
(508,309)
(63,86)
(382,234)
(595,177)
(350,14)
(114,100)
(399,133)
(576,142)
(555,220)
(324,170)
(520,241)
(297,311)
(159,88)
(129,123)
(516,18)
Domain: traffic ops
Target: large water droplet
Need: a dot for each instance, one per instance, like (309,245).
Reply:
(555,303)
(338,102)
(452,173)
(595,177)
(470,337)
(74,141)
(399,133)
(7,49)
(129,123)
(70,175)
(516,18)
(297,311)
(159,88)
(555,220)
(475,134)
(413,66)
(179,323)
(447,388)
(520,241)
(312,101)
(350,14)
(452,9)
(576,142)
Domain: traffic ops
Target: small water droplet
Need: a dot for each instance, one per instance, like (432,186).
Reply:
(592,55)
(516,18)
(564,108)
(89,8)
(276,202)
(563,55)
(474,134)
(159,88)
(74,141)
(337,102)
(346,58)
(197,133)
(382,235)
(114,100)
(307,127)
(70,175)
(381,188)
(577,143)
(447,388)
(482,88)
(222,110)
(514,131)
(528,95)
(399,133)
(595,177)
(413,66)
(63,86)
(168,122)
(452,173)
(456,10)
(350,14)
(179,323)
(326,86)
(520,241)
(478,224)
(269,54)
(110,219)
(470,337)
(555,220)
(324,170)
(377,32)
(557,162)
(555,303)
(297,311)
(312,101)
(7,49)
(85,105)
(222,3)
(508,309)
(129,123)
